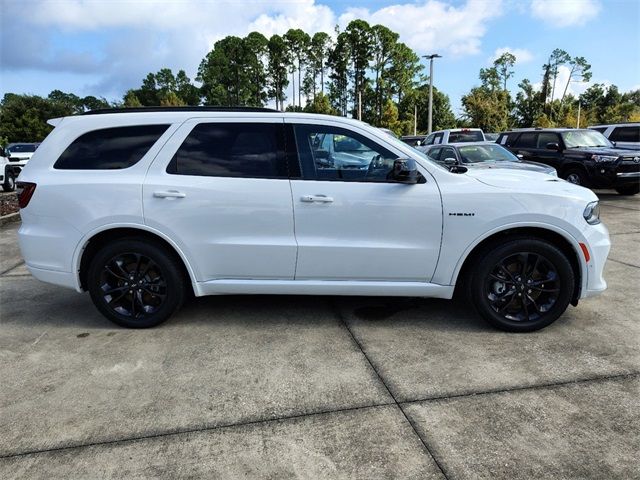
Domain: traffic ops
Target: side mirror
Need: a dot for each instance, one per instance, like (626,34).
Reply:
(418,143)
(553,146)
(613,143)
(450,162)
(520,156)
(405,170)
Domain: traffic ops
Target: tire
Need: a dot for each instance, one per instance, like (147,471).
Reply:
(9,184)
(517,301)
(136,264)
(628,189)
(576,176)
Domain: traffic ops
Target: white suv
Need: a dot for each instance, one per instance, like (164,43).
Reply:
(142,207)
(454,135)
(624,135)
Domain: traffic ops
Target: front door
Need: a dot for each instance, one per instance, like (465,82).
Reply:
(352,223)
(220,190)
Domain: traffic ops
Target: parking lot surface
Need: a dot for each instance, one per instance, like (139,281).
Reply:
(321,387)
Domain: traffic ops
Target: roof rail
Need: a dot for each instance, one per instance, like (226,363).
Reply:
(101,111)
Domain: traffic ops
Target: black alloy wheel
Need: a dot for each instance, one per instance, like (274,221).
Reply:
(135,283)
(522,285)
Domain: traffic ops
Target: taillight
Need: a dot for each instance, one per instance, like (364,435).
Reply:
(25,192)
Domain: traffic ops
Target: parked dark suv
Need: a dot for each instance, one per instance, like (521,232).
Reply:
(581,156)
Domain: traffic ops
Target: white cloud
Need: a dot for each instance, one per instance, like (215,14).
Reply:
(522,54)
(565,13)
(432,26)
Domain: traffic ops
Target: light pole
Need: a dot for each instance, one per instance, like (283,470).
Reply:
(431,57)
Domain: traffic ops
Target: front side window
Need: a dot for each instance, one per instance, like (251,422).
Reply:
(110,148)
(547,137)
(438,138)
(435,153)
(249,150)
(334,153)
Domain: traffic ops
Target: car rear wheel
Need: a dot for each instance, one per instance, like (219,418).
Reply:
(628,190)
(135,283)
(522,285)
(576,176)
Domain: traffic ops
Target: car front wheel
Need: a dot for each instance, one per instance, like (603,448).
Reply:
(522,285)
(135,283)
(628,189)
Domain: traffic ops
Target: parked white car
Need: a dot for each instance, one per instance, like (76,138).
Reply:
(140,207)
(623,135)
(454,135)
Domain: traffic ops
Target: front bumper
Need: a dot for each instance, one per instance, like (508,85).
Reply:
(598,244)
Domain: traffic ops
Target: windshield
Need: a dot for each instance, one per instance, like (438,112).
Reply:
(486,153)
(22,148)
(585,138)
(466,136)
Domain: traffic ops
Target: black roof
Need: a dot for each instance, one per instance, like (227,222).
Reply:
(101,111)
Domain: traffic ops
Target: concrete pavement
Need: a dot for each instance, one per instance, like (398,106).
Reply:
(314,387)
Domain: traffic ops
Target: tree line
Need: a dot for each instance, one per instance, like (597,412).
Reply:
(363,71)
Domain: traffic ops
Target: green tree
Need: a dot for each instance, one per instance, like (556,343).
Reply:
(504,67)
(417,100)
(318,54)
(224,74)
(359,40)
(23,118)
(258,45)
(320,104)
(528,104)
(339,75)
(384,43)
(405,67)
(298,43)
(278,64)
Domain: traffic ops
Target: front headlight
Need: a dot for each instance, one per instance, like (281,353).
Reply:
(604,158)
(592,213)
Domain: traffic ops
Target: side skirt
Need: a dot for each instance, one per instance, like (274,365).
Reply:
(323,287)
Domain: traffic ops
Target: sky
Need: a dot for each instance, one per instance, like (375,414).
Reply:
(105,47)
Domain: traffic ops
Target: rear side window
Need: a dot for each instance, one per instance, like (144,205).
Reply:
(526,140)
(251,150)
(625,134)
(599,129)
(110,148)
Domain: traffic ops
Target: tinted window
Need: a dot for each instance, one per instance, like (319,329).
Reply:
(466,136)
(110,148)
(437,138)
(526,140)
(448,153)
(429,139)
(599,129)
(333,153)
(435,153)
(625,134)
(230,150)
(22,148)
(547,137)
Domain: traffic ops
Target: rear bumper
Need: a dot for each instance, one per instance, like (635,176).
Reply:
(64,279)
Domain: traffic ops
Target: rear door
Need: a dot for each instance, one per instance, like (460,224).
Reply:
(353,223)
(220,190)
(626,137)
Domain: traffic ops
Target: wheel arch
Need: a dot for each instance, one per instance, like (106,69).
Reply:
(93,241)
(561,240)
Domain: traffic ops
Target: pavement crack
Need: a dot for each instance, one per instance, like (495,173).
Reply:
(623,263)
(186,431)
(525,387)
(11,268)
(428,449)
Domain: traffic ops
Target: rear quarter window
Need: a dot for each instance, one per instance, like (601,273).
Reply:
(625,134)
(110,148)
(468,136)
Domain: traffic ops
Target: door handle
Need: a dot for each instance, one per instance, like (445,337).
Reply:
(316,198)
(169,194)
